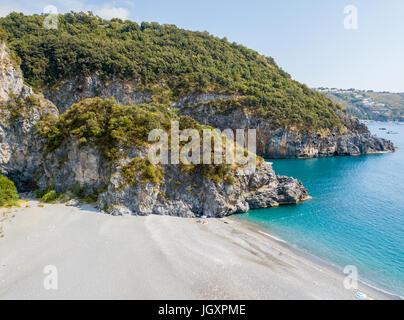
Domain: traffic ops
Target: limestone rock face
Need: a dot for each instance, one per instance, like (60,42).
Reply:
(21,149)
(280,143)
(69,92)
(72,166)
(191,196)
(178,194)
(287,143)
(11,80)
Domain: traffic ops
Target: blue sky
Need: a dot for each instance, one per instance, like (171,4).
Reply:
(307,38)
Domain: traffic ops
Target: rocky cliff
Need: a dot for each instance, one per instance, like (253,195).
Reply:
(69,92)
(10,77)
(84,169)
(353,138)
(191,71)
(20,109)
(216,82)
(181,194)
(73,137)
(177,193)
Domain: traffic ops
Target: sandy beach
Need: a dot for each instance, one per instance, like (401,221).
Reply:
(103,257)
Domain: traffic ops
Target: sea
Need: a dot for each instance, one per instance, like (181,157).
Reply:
(356,214)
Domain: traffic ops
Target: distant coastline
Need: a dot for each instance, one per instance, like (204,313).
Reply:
(368,104)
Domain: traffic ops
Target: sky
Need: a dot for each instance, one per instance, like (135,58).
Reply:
(313,40)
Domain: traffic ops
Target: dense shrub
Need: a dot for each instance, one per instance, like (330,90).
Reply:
(105,124)
(47,196)
(3,36)
(141,170)
(8,192)
(167,61)
(112,128)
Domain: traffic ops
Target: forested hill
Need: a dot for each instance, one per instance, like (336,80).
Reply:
(163,59)
(368,105)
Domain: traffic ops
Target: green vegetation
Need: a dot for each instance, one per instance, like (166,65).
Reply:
(369,105)
(18,108)
(3,36)
(105,124)
(217,173)
(112,128)
(16,61)
(166,61)
(306,115)
(230,180)
(47,196)
(83,193)
(86,194)
(393,102)
(143,171)
(8,192)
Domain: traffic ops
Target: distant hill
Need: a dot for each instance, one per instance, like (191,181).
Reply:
(368,105)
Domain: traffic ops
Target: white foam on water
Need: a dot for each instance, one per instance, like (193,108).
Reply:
(271,236)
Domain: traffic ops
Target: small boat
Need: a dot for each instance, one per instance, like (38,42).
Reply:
(392,132)
(382,129)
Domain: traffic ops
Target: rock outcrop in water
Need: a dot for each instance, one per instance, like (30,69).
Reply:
(193,195)
(24,158)
(178,193)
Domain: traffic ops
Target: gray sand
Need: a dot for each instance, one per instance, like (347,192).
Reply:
(102,257)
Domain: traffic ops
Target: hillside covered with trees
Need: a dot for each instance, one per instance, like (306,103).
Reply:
(369,105)
(163,59)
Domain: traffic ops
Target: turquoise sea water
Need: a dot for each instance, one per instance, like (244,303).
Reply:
(356,216)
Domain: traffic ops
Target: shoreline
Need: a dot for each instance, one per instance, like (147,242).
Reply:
(322,156)
(366,284)
(99,256)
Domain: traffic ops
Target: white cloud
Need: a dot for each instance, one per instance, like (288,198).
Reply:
(6,9)
(109,12)
(106,11)
(38,6)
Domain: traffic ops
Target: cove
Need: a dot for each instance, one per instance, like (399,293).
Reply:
(356,216)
